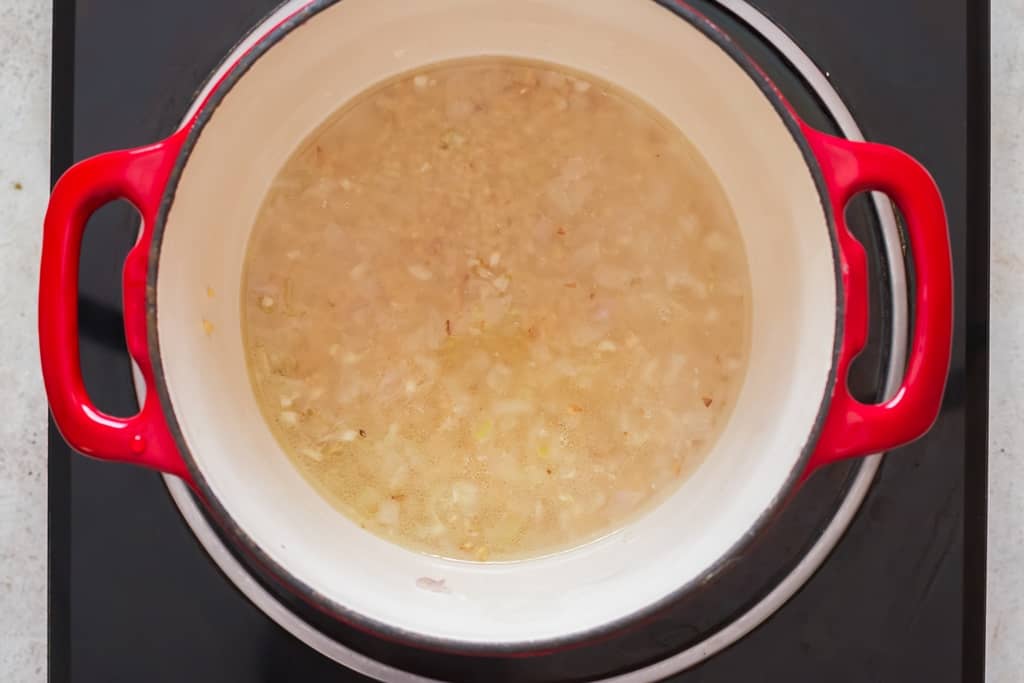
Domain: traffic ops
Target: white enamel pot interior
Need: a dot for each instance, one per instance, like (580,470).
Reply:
(279,94)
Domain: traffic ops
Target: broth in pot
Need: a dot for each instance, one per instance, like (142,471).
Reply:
(494,309)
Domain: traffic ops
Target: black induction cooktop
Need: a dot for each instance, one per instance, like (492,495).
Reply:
(133,596)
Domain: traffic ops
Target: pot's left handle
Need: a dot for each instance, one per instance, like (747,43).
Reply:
(138,176)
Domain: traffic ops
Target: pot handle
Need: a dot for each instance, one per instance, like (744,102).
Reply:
(851,427)
(138,176)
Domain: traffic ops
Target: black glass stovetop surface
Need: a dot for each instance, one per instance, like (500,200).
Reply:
(134,597)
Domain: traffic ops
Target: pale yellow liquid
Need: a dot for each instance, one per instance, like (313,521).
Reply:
(494,309)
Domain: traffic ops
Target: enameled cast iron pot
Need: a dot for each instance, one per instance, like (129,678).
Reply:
(199,190)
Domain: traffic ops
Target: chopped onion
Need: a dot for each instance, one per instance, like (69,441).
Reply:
(388,512)
(588,333)
(513,406)
(312,454)
(420,272)
(686,280)
(501,283)
(625,501)
(580,86)
(399,477)
(675,368)
(552,79)
(465,495)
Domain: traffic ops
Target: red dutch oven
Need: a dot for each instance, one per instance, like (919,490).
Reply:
(198,192)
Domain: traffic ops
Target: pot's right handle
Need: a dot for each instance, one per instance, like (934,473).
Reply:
(139,176)
(853,428)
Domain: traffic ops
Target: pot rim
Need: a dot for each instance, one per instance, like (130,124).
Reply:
(236,71)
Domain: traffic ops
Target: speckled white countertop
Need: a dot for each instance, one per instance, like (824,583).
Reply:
(24,183)
(24,186)
(1006,423)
